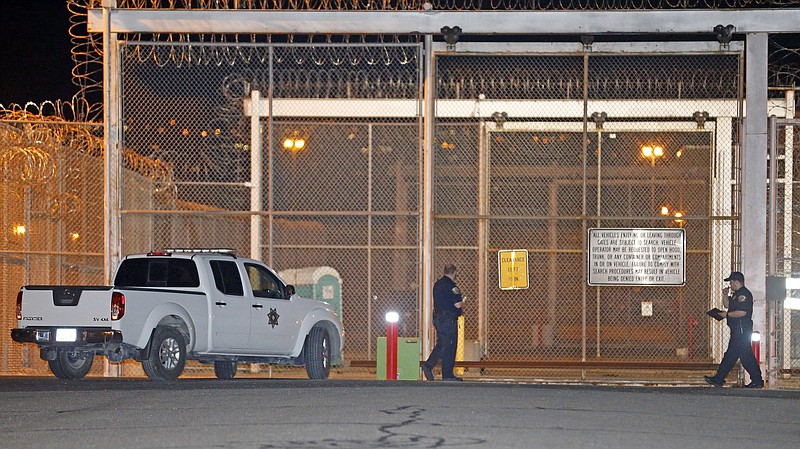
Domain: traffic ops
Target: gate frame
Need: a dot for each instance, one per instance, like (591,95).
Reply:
(755,24)
(780,333)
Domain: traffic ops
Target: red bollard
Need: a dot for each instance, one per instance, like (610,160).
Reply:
(391,345)
(755,344)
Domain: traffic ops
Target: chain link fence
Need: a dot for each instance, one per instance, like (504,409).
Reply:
(526,174)
(335,181)
(318,148)
(787,256)
(52,217)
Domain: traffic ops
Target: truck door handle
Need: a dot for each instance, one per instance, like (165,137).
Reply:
(258,306)
(221,303)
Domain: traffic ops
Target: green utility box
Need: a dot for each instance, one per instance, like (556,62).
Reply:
(407,358)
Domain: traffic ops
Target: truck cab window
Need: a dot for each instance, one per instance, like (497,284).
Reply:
(263,283)
(157,272)
(226,277)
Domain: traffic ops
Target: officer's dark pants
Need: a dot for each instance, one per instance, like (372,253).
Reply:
(739,347)
(446,343)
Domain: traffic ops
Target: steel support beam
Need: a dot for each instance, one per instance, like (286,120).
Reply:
(111,158)
(648,22)
(754,178)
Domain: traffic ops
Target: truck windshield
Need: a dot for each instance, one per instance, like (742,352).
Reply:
(157,272)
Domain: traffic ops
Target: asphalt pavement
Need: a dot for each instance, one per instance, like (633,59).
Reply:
(44,412)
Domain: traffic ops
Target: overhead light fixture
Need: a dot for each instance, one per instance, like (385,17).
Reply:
(700,118)
(500,118)
(599,118)
(294,142)
(652,152)
(587,40)
(451,36)
(724,35)
(679,218)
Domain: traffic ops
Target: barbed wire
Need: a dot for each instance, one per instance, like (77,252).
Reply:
(32,138)
(461,5)
(784,68)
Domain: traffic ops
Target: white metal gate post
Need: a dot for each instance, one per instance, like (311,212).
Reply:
(111,129)
(754,177)
(427,199)
(255,173)
(111,157)
(786,266)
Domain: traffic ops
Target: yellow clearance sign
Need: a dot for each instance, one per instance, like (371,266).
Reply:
(513,269)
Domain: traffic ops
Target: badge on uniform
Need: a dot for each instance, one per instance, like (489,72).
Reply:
(456,291)
(741,298)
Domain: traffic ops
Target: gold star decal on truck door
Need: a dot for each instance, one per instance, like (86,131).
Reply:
(273,317)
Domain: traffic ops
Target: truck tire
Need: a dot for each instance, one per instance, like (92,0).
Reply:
(167,355)
(225,370)
(71,365)
(318,353)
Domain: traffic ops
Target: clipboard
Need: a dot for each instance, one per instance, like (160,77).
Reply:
(716,314)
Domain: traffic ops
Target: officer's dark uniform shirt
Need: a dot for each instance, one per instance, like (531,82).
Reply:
(445,294)
(742,299)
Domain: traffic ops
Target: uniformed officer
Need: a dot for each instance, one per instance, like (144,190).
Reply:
(447,303)
(740,321)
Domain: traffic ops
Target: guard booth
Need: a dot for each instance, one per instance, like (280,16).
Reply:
(320,283)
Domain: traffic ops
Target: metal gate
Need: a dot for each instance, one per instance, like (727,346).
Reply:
(301,156)
(530,151)
(784,248)
(534,149)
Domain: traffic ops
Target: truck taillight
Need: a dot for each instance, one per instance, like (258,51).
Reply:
(117,306)
(19,305)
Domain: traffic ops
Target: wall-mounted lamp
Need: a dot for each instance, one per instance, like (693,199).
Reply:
(724,34)
(700,118)
(451,36)
(599,118)
(500,118)
(587,40)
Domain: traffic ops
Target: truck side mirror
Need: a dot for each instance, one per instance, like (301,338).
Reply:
(289,290)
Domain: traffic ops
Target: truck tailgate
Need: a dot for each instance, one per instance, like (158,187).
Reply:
(73,306)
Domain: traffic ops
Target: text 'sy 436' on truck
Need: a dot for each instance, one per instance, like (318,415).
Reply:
(168,307)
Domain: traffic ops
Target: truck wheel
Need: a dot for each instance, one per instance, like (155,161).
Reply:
(71,364)
(225,370)
(318,354)
(167,355)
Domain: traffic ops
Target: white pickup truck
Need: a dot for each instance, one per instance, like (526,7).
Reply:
(168,307)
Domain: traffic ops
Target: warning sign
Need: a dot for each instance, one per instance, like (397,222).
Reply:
(636,256)
(512,269)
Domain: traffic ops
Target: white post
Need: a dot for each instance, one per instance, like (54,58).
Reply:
(255,175)
(427,201)
(483,229)
(754,178)
(723,251)
(111,158)
(788,176)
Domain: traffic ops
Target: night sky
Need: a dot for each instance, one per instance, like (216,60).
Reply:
(35,61)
